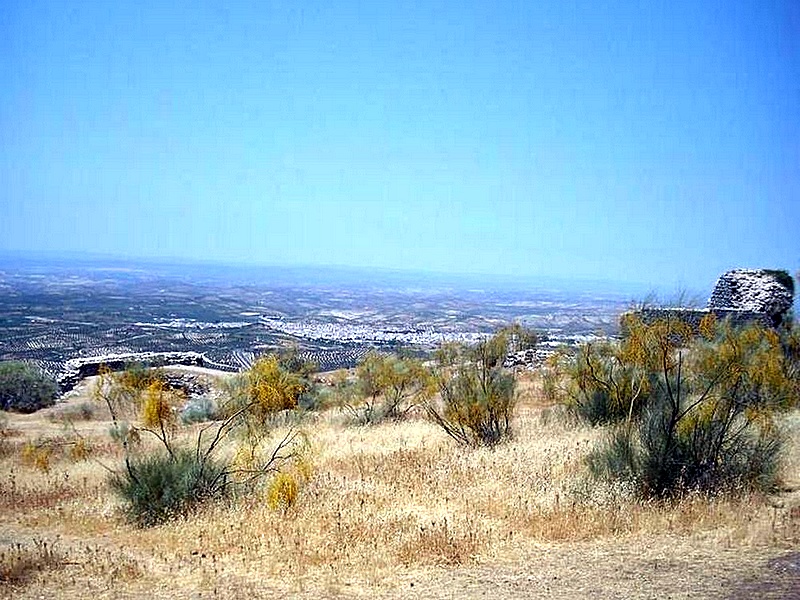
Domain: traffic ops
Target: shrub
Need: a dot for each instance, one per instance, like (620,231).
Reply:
(125,392)
(387,387)
(520,337)
(268,387)
(610,382)
(161,486)
(85,411)
(289,360)
(282,492)
(158,486)
(24,388)
(708,421)
(80,450)
(670,451)
(789,334)
(37,455)
(198,410)
(477,394)
(302,370)
(604,388)
(137,376)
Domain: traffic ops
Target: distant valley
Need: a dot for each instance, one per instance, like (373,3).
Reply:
(51,311)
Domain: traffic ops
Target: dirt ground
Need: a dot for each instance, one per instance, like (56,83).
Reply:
(78,546)
(651,568)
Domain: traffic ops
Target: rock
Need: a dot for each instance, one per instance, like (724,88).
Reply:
(191,384)
(529,358)
(76,369)
(755,290)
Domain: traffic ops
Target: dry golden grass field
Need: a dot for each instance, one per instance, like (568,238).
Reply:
(391,511)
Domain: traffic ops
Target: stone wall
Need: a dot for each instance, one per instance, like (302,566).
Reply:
(693,316)
(78,368)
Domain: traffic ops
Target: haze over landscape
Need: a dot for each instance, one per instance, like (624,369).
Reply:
(656,144)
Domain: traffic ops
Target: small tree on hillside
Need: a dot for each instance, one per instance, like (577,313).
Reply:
(388,387)
(477,393)
(520,337)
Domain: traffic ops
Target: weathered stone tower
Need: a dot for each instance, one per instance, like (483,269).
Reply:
(741,296)
(754,290)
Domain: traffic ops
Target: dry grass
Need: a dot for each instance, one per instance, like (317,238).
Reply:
(392,510)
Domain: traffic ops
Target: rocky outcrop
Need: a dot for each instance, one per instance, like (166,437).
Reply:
(755,290)
(528,358)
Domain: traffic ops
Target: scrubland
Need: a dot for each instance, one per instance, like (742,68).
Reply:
(396,509)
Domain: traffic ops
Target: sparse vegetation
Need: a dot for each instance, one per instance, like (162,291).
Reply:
(85,411)
(169,481)
(43,453)
(398,502)
(21,562)
(399,487)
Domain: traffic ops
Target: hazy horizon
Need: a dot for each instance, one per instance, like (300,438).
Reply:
(651,145)
(257,274)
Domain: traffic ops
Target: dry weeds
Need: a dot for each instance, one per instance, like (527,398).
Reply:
(391,510)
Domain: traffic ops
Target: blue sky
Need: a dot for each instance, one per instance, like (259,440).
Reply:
(627,141)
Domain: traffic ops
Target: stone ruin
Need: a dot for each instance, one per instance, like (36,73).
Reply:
(741,296)
(76,369)
(754,290)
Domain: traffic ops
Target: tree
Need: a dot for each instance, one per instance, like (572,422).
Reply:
(24,388)
(520,337)
(273,388)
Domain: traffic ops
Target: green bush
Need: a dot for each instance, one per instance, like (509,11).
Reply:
(666,454)
(477,394)
(161,486)
(198,410)
(708,423)
(24,388)
(385,387)
(609,382)
(603,387)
